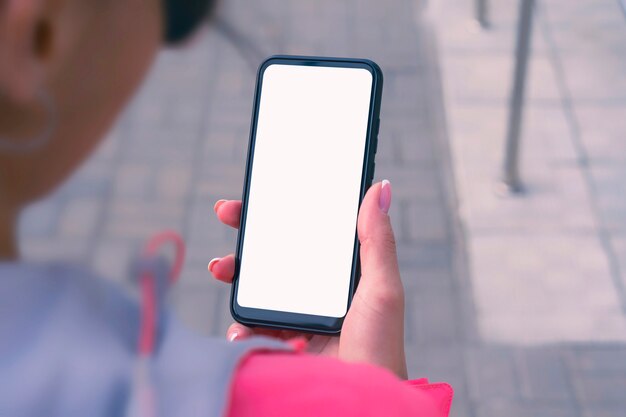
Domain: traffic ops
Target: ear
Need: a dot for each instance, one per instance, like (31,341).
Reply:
(27,43)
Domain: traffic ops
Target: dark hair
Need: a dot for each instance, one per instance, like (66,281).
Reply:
(182,17)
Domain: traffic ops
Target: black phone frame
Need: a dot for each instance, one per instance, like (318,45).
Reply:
(273,319)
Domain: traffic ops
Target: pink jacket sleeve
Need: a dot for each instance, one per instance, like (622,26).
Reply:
(283,384)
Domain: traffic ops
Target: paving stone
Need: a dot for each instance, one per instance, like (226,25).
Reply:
(47,249)
(618,244)
(602,130)
(474,83)
(463,36)
(416,278)
(437,361)
(40,220)
(434,315)
(80,217)
(112,258)
(603,411)
(596,358)
(429,256)
(426,222)
(517,409)
(532,290)
(609,188)
(91,181)
(418,183)
(197,304)
(135,181)
(601,390)
(129,219)
(543,375)
(492,375)
(173,182)
(480,132)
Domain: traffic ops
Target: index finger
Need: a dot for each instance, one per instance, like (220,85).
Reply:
(228,212)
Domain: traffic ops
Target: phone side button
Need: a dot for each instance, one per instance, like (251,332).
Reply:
(375,135)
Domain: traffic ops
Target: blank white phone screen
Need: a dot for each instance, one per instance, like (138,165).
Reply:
(304,189)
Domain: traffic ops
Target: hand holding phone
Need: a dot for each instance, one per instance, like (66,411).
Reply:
(373,330)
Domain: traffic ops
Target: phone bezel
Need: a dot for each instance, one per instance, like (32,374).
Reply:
(296,321)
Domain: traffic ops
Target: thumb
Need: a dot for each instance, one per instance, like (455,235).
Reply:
(374,327)
(379,262)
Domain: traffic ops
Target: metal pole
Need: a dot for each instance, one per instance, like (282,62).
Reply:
(481,10)
(511,159)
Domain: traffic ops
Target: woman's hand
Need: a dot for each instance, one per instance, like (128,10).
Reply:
(373,330)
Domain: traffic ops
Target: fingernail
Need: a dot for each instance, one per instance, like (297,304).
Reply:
(232,336)
(218,204)
(212,263)
(384,201)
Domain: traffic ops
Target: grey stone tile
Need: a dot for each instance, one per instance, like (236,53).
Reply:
(618,243)
(543,375)
(556,201)
(173,182)
(416,278)
(112,258)
(434,317)
(197,305)
(601,390)
(492,375)
(602,129)
(532,290)
(438,362)
(431,256)
(517,409)
(40,220)
(46,249)
(479,131)
(141,219)
(426,222)
(418,182)
(589,80)
(91,181)
(478,78)
(597,358)
(603,411)
(589,37)
(80,218)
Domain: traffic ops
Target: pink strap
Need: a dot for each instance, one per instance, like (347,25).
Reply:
(147,284)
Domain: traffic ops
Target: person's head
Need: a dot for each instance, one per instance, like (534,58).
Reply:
(86,57)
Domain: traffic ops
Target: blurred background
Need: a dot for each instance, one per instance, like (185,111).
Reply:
(515,298)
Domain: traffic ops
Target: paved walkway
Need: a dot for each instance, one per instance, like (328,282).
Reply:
(181,144)
(547,267)
(545,264)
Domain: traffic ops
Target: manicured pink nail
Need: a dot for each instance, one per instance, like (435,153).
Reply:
(217,205)
(384,201)
(233,337)
(212,263)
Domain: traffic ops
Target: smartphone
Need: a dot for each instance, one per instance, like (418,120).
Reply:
(310,161)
